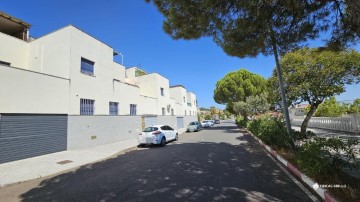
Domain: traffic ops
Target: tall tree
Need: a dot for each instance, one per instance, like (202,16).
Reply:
(311,75)
(246,28)
(213,111)
(237,86)
(253,105)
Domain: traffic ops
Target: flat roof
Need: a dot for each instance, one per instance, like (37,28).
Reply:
(175,86)
(11,25)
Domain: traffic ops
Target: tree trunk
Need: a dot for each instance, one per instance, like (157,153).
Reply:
(308,117)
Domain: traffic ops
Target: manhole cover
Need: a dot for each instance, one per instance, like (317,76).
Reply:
(64,162)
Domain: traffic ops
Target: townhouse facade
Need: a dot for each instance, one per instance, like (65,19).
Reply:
(65,86)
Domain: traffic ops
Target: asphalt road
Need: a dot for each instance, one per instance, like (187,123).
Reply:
(216,164)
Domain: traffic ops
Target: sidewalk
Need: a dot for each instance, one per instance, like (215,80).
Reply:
(41,166)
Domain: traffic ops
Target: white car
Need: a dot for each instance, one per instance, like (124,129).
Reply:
(205,124)
(157,134)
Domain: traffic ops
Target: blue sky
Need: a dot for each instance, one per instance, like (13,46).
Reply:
(134,28)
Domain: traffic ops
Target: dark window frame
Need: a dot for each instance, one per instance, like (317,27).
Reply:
(87,66)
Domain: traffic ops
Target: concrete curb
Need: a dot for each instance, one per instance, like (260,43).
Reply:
(323,193)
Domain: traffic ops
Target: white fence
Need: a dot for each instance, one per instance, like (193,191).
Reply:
(349,124)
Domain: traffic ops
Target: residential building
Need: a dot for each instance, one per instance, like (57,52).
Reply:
(64,91)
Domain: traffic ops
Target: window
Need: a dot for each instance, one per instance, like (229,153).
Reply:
(163,111)
(4,63)
(162,91)
(184,99)
(113,108)
(132,109)
(87,107)
(87,66)
(185,112)
(172,112)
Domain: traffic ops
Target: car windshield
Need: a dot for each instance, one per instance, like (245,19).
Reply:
(150,129)
(192,123)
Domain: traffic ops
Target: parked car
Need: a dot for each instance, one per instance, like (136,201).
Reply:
(205,124)
(157,134)
(194,126)
(211,122)
(217,121)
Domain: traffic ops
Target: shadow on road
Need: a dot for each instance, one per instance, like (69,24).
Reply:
(178,172)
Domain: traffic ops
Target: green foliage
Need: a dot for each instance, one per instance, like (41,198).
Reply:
(241,122)
(244,28)
(237,86)
(258,103)
(213,111)
(311,75)
(297,135)
(204,109)
(272,131)
(207,117)
(253,105)
(330,108)
(354,107)
(242,108)
(324,156)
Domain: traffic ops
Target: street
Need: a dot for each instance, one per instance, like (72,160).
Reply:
(216,164)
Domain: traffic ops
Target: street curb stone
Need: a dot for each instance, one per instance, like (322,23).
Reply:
(323,193)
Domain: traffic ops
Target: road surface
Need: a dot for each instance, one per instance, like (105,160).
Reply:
(217,164)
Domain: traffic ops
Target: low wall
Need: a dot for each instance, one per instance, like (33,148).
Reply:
(348,124)
(89,131)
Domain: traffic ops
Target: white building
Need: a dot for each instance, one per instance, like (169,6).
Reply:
(71,72)
(51,86)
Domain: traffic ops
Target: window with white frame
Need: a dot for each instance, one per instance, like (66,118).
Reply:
(172,112)
(87,106)
(185,112)
(184,99)
(132,109)
(162,91)
(113,108)
(163,111)
(87,66)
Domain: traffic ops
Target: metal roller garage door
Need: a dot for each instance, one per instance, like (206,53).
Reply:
(150,120)
(24,136)
(180,122)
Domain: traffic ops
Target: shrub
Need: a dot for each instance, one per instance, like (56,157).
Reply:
(272,131)
(326,156)
(241,122)
(297,135)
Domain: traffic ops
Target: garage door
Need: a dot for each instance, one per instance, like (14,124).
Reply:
(150,120)
(25,136)
(180,122)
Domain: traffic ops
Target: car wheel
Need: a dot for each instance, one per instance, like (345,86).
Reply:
(163,142)
(140,145)
(176,137)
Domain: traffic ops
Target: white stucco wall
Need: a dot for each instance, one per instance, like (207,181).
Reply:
(23,91)
(191,98)
(126,94)
(100,86)
(50,54)
(13,50)
(89,131)
(148,105)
